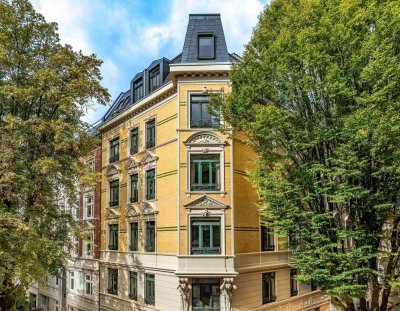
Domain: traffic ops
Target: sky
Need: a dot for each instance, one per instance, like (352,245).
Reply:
(129,34)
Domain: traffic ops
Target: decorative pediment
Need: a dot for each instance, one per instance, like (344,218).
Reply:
(112,214)
(132,165)
(206,202)
(132,212)
(204,138)
(148,157)
(87,225)
(148,209)
(112,171)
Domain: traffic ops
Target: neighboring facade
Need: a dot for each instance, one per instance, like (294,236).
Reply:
(78,289)
(180,228)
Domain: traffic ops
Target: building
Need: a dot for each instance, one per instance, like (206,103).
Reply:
(180,229)
(78,289)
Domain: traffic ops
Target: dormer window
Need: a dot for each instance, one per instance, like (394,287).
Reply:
(138,89)
(205,44)
(155,78)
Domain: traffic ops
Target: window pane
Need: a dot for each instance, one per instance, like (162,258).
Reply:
(114,193)
(149,289)
(134,236)
(134,141)
(134,188)
(205,172)
(150,134)
(150,185)
(205,236)
(206,294)
(206,46)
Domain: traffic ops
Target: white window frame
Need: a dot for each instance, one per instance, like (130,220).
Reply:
(90,282)
(85,204)
(72,281)
(89,244)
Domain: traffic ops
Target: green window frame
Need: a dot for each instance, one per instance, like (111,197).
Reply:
(154,78)
(112,287)
(133,284)
(138,89)
(114,193)
(267,239)
(151,184)
(268,287)
(150,245)
(113,237)
(205,236)
(205,172)
(134,236)
(134,136)
(134,188)
(114,150)
(149,289)
(199,115)
(150,134)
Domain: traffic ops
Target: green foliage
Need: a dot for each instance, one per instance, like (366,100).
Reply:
(318,94)
(45,89)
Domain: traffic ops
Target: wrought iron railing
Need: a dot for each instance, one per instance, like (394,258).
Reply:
(204,123)
(202,187)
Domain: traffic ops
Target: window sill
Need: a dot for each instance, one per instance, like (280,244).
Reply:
(113,207)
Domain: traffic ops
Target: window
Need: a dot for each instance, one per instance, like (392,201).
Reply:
(267,239)
(205,44)
(114,193)
(90,163)
(205,236)
(89,245)
(149,289)
(56,306)
(134,236)
(138,89)
(113,237)
(134,188)
(151,134)
(56,280)
(199,115)
(112,281)
(155,78)
(268,287)
(205,172)
(88,284)
(151,184)
(76,247)
(71,280)
(89,206)
(150,236)
(293,283)
(114,150)
(205,294)
(134,141)
(133,285)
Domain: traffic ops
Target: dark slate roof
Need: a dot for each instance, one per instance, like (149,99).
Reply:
(204,23)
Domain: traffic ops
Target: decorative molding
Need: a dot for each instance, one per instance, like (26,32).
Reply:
(204,138)
(112,214)
(205,202)
(184,289)
(132,166)
(132,212)
(148,157)
(148,209)
(112,172)
(227,289)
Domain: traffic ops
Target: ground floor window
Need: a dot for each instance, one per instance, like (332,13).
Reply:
(293,283)
(133,285)
(268,287)
(113,281)
(205,236)
(149,289)
(205,294)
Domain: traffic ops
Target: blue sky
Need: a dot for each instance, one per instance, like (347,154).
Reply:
(129,34)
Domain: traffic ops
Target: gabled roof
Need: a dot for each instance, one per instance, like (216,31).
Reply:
(204,23)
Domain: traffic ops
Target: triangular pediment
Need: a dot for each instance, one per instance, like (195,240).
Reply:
(87,225)
(112,214)
(205,202)
(132,212)
(148,157)
(132,164)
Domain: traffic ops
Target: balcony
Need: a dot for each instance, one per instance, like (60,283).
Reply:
(113,203)
(205,187)
(114,158)
(206,250)
(204,123)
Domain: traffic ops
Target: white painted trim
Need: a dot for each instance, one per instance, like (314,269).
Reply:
(179,173)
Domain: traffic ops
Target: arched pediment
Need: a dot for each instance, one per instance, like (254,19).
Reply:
(132,212)
(112,171)
(148,209)
(204,138)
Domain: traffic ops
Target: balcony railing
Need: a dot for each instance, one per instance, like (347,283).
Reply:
(113,203)
(113,247)
(206,308)
(206,250)
(203,187)
(204,123)
(133,199)
(114,158)
(150,143)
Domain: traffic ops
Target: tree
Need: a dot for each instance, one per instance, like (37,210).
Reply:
(45,89)
(318,95)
